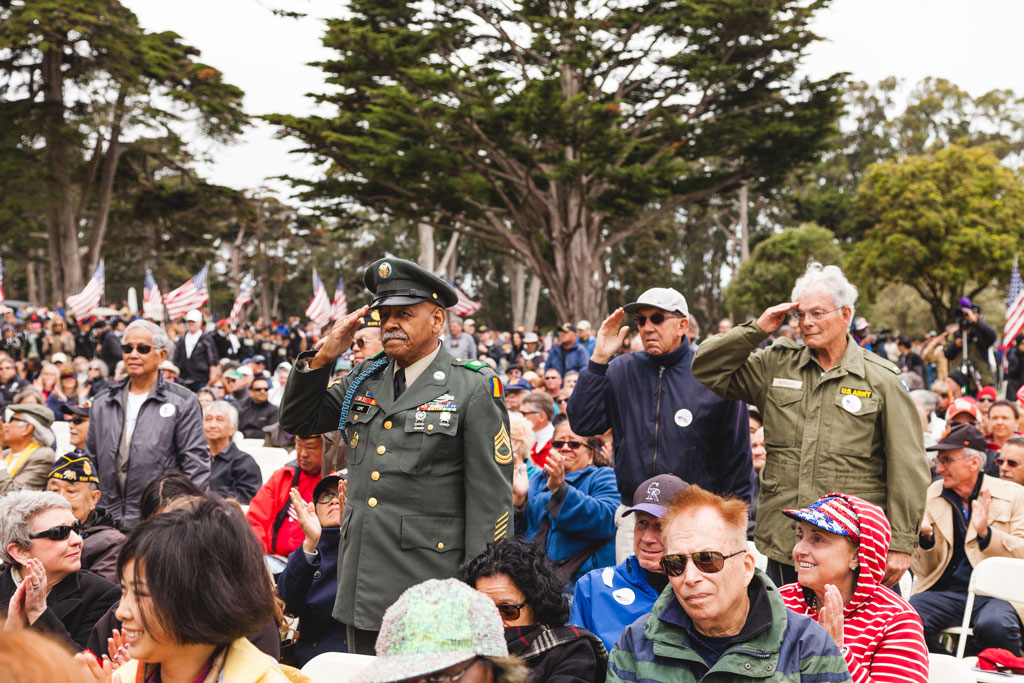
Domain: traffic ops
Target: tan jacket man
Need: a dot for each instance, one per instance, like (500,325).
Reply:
(29,455)
(836,417)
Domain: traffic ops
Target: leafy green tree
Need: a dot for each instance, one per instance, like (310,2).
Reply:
(557,131)
(89,82)
(946,224)
(768,277)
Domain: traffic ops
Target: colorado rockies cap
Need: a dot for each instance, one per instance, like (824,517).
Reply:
(655,495)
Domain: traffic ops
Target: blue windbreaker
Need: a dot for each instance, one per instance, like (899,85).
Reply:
(607,600)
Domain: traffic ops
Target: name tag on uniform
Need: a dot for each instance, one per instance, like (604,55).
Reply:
(788,383)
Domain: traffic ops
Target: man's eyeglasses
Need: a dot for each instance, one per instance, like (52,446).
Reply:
(59,533)
(656,319)
(815,316)
(258,389)
(986,400)
(511,612)
(526,413)
(143,349)
(559,445)
(16,419)
(326,497)
(77,420)
(945,460)
(707,562)
(1013,464)
(552,377)
(446,678)
(360,343)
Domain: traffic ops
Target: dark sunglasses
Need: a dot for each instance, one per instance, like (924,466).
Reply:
(559,445)
(16,419)
(59,533)
(258,389)
(511,612)
(77,420)
(986,400)
(143,349)
(656,319)
(218,386)
(707,562)
(326,497)
(1011,463)
(357,342)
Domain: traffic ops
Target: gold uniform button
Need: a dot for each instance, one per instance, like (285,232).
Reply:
(372,502)
(355,418)
(430,428)
(381,450)
(375,475)
(387,424)
(440,546)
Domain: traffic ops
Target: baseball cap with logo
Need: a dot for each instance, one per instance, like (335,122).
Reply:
(961,436)
(963,405)
(831,513)
(655,495)
(567,327)
(665,298)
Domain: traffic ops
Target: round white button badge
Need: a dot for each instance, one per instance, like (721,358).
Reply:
(851,403)
(624,596)
(683,417)
(167,410)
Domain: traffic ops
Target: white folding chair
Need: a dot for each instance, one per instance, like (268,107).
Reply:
(336,667)
(994,577)
(947,669)
(270,460)
(62,432)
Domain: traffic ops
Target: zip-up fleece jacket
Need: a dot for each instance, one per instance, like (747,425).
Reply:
(664,421)
(882,632)
(168,435)
(791,649)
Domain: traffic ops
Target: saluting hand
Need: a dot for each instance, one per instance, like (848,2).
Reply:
(330,348)
(609,337)
(773,317)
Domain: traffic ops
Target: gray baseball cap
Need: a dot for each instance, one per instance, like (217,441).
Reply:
(665,298)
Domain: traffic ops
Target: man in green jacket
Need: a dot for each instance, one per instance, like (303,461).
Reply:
(836,418)
(720,618)
(429,454)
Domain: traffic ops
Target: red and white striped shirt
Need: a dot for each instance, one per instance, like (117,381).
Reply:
(882,632)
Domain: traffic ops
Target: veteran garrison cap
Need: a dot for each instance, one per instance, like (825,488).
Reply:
(397,282)
(76,468)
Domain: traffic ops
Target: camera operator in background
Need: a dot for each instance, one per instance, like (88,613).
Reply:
(979,337)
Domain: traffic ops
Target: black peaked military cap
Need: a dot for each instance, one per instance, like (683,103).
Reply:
(397,282)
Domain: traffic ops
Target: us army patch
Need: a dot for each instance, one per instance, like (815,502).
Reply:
(502,447)
(859,393)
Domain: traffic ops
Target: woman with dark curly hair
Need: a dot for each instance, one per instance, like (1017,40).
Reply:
(528,593)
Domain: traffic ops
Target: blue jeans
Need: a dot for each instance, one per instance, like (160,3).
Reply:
(995,622)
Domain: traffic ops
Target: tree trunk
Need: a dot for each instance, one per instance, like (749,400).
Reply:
(744,227)
(30,281)
(427,253)
(449,257)
(65,260)
(532,299)
(106,192)
(518,288)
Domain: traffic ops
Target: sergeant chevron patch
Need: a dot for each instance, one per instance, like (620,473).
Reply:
(502,447)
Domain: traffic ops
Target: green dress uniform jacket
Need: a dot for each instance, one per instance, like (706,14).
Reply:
(853,429)
(429,474)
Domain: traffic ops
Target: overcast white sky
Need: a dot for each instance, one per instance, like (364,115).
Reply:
(974,43)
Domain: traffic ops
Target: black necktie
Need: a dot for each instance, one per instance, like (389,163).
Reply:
(399,382)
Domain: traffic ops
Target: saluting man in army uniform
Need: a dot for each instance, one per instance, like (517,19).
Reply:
(430,458)
(836,418)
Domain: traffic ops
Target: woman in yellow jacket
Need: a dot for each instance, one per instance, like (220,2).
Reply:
(194,584)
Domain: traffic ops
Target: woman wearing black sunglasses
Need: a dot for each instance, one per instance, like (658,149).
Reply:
(44,585)
(569,507)
(534,610)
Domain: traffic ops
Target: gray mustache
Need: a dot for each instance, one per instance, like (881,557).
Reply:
(388,336)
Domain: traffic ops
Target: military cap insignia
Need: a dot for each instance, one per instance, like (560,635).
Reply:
(501,527)
(86,468)
(502,447)
(384,270)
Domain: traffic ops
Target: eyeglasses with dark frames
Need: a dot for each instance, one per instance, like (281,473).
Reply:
(143,349)
(706,561)
(511,612)
(77,420)
(656,319)
(1012,464)
(60,532)
(326,497)
(573,445)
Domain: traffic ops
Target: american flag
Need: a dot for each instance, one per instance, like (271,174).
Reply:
(465,306)
(151,306)
(244,297)
(319,309)
(85,302)
(192,294)
(339,307)
(1,279)
(1014,308)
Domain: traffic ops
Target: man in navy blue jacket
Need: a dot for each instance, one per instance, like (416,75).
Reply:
(662,419)
(568,354)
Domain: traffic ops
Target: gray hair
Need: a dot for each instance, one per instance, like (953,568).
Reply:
(160,338)
(220,406)
(844,294)
(542,402)
(980,456)
(16,511)
(97,364)
(925,398)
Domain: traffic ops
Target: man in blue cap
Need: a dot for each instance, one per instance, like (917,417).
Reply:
(429,453)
